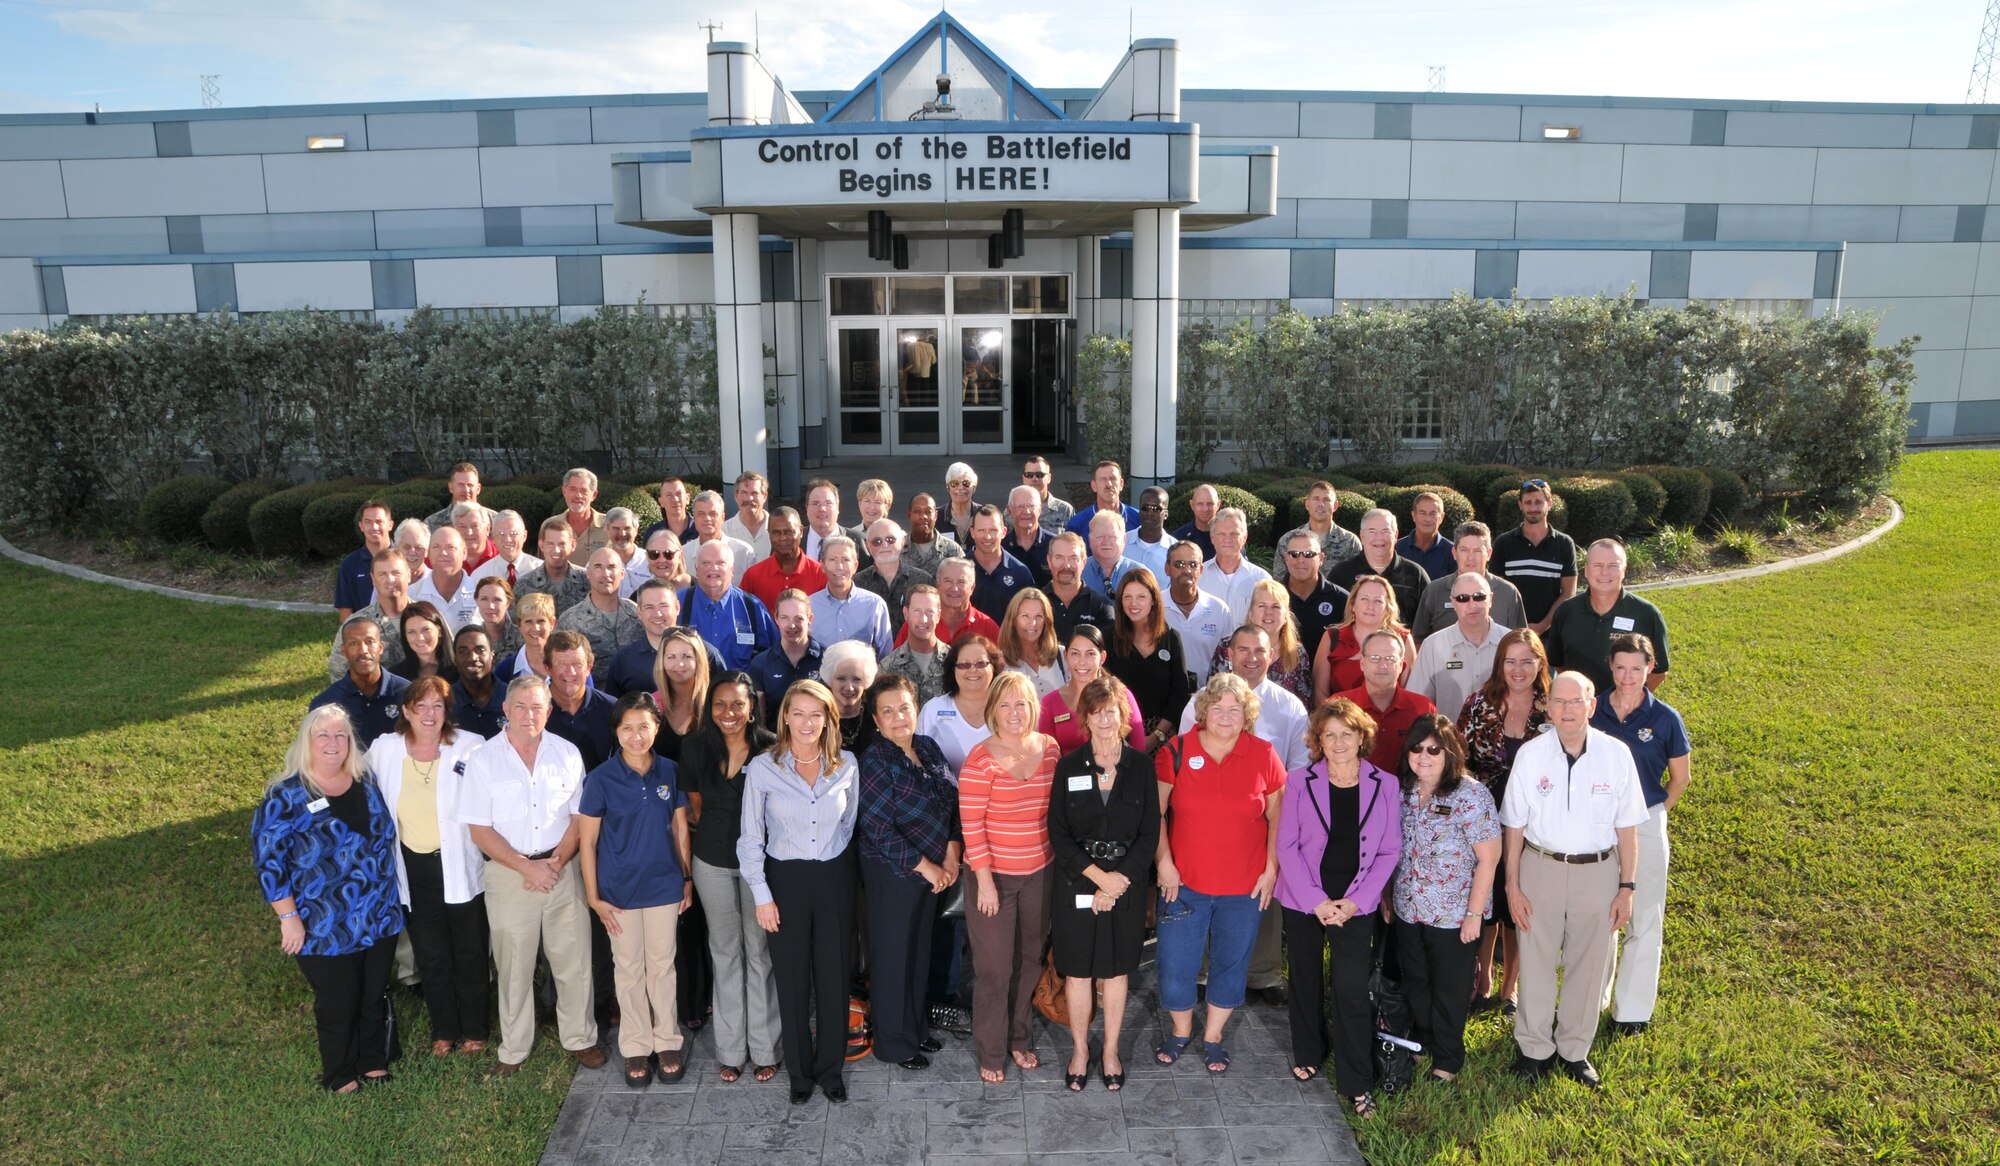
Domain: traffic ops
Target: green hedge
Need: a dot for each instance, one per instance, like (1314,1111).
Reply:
(641,500)
(1401,500)
(402,506)
(542,482)
(1477,482)
(1688,493)
(526,501)
(1727,495)
(1598,507)
(277,522)
(1353,504)
(226,523)
(1286,498)
(1260,513)
(1649,498)
(328,523)
(172,511)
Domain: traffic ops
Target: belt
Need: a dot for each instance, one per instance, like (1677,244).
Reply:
(1109,851)
(550,852)
(1574,859)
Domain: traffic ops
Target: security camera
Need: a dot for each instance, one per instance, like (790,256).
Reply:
(944,85)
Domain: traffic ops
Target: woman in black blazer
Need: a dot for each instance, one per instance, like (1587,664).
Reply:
(1104,824)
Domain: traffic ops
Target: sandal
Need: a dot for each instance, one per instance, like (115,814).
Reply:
(440,1048)
(638,1072)
(763,1073)
(1215,1057)
(1170,1049)
(1305,1072)
(730,1073)
(1364,1105)
(1113,1081)
(471,1048)
(672,1065)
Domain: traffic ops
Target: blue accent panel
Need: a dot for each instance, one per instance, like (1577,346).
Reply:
(776,277)
(1212,243)
(1392,121)
(851,128)
(579,279)
(1495,274)
(1114,270)
(1710,125)
(496,127)
(1670,275)
(1826,275)
(184,235)
(55,293)
(652,156)
(1389,218)
(561,226)
(1985,133)
(1977,418)
(1920,421)
(1971,225)
(675,247)
(214,287)
(170,138)
(395,282)
(64,238)
(551,127)
(1699,222)
(1312,275)
(503,226)
(1928,224)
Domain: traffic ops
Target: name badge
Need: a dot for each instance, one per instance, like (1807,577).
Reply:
(1083,901)
(948,714)
(1061,717)
(1197,761)
(1165,654)
(316,805)
(1621,623)
(1079,783)
(1453,665)
(746,637)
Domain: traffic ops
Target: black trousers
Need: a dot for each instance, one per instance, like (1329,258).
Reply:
(810,959)
(1349,1017)
(1437,981)
(449,941)
(694,969)
(350,1010)
(901,913)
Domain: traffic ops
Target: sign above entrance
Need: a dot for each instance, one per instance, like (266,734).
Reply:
(944,165)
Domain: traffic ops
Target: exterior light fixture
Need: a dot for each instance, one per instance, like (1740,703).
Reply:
(1013,233)
(326,142)
(1562,133)
(901,252)
(878,235)
(996,251)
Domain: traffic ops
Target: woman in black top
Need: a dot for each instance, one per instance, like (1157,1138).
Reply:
(680,692)
(712,764)
(1146,654)
(848,668)
(1104,824)
(426,645)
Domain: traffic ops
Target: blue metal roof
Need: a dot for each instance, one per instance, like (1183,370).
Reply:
(945,26)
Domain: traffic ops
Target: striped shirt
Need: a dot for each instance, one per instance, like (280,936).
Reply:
(1006,819)
(1537,569)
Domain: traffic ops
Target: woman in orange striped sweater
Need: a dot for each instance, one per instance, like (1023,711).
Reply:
(1003,805)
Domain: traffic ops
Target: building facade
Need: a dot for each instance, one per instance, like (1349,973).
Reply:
(1011,221)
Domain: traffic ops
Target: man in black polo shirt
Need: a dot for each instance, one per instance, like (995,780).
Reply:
(1378,557)
(1582,627)
(1316,604)
(1073,602)
(373,698)
(1537,558)
(579,712)
(1203,504)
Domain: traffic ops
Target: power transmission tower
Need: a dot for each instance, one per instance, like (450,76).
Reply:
(1437,74)
(211,90)
(1982,58)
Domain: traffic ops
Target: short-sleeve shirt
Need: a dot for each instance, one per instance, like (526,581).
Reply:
(589,727)
(1201,629)
(1434,876)
(637,865)
(1579,638)
(372,715)
(1080,523)
(1321,608)
(353,586)
(995,589)
(1437,562)
(530,808)
(767,580)
(1537,569)
(1392,725)
(1573,807)
(1215,821)
(1654,733)
(1088,606)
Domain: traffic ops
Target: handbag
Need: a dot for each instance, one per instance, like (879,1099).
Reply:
(952,900)
(1050,998)
(1395,1062)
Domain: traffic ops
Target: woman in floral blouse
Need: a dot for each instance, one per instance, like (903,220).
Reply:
(1510,709)
(1451,848)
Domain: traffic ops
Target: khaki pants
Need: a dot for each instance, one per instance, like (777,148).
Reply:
(642,964)
(1635,962)
(523,921)
(1570,930)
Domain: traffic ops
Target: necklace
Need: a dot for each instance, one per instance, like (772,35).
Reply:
(426,770)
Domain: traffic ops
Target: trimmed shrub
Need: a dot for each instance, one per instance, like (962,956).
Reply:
(277,523)
(1476,482)
(1509,503)
(1423,473)
(1343,482)
(436,490)
(523,500)
(1727,495)
(629,478)
(401,505)
(542,482)
(1369,471)
(1259,512)
(1286,498)
(1598,507)
(172,511)
(1648,497)
(226,522)
(643,501)
(1401,500)
(328,523)
(1247,479)
(1353,504)
(1687,494)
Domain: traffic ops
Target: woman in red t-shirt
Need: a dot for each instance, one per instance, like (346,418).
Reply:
(1220,789)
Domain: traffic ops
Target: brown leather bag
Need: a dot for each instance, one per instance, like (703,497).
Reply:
(1050,998)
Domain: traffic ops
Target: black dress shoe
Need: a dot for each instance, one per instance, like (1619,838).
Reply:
(916,1061)
(1275,995)
(837,1093)
(1529,1069)
(930,1044)
(803,1093)
(1627,1027)
(1582,1072)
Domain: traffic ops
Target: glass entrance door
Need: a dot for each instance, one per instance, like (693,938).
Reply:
(859,381)
(982,421)
(920,376)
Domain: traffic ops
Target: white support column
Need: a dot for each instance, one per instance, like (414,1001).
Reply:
(1156,330)
(812,349)
(739,345)
(1089,281)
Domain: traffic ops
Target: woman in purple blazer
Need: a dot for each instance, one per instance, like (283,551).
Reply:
(1340,832)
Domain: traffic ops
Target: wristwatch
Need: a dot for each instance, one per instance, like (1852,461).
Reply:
(1628,886)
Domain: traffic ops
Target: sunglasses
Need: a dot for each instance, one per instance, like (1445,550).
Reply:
(882,542)
(1481,597)
(1037,475)
(662,554)
(1534,484)
(1429,749)
(1302,554)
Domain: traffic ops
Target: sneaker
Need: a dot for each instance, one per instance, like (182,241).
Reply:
(950,1018)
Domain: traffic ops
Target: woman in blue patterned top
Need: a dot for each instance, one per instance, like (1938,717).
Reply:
(909,847)
(1444,884)
(325,848)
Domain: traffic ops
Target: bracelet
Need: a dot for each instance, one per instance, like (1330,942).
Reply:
(288,915)
(1628,886)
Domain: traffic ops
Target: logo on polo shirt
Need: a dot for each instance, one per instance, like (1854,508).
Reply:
(664,792)
(1646,734)
(1326,608)
(1544,787)
(1006,580)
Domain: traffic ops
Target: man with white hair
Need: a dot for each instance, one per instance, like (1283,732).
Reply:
(1582,626)
(1378,557)
(734,622)
(1456,661)
(1027,539)
(621,534)
(887,573)
(1229,576)
(586,522)
(843,611)
(446,586)
(475,524)
(709,527)
(1108,563)
(511,559)
(413,541)
(607,619)
(661,561)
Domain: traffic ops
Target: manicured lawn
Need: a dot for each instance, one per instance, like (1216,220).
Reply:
(1832,931)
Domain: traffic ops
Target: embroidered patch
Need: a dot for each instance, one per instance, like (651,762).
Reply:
(1544,787)
(1326,608)
(1646,734)
(664,792)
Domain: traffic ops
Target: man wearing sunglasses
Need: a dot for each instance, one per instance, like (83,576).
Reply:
(1456,661)
(1053,514)
(1537,558)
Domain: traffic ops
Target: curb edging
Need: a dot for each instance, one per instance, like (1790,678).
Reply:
(1853,544)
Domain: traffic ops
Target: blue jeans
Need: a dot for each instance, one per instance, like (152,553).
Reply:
(1226,925)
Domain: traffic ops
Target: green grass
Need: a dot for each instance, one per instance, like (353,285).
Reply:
(148,1013)
(1830,991)
(1832,934)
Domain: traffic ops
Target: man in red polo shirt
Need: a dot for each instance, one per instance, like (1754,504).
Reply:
(1392,707)
(787,567)
(956,615)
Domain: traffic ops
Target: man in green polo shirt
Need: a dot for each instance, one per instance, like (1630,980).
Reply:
(1580,629)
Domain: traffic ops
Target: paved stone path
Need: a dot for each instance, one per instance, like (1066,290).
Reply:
(946,1116)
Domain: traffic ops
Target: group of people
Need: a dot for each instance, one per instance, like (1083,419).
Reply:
(725,773)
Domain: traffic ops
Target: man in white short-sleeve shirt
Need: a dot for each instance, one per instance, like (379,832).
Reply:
(519,798)
(1200,618)
(1571,818)
(1229,576)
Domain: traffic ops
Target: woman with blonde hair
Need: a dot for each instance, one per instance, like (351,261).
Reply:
(1271,610)
(1511,710)
(535,618)
(680,689)
(1028,640)
(1371,608)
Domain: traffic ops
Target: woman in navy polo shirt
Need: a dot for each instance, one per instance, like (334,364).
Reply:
(633,818)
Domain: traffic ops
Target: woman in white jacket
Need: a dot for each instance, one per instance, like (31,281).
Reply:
(418,769)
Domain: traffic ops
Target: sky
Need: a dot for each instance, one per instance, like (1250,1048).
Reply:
(72,55)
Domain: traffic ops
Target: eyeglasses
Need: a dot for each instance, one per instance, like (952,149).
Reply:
(1481,597)
(973,665)
(1302,554)
(661,554)
(1568,702)
(1154,507)
(1183,565)
(1391,658)
(886,541)
(1428,749)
